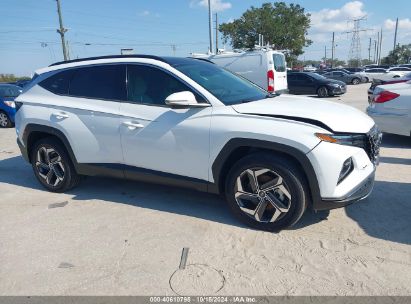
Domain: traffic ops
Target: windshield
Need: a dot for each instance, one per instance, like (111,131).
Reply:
(226,86)
(9,91)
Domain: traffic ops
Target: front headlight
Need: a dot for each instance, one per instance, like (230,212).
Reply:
(356,140)
(9,103)
(335,85)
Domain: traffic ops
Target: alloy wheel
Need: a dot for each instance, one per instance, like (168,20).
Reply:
(322,92)
(262,194)
(4,120)
(49,166)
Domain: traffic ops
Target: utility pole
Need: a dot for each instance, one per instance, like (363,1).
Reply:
(378,48)
(216,33)
(210,26)
(173,47)
(379,53)
(325,55)
(395,36)
(369,51)
(332,52)
(375,50)
(62,31)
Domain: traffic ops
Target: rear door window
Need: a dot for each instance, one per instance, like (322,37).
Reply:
(279,62)
(106,82)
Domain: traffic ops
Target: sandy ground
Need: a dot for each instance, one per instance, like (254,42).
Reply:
(114,237)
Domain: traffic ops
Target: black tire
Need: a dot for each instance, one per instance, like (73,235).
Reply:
(356,81)
(367,80)
(68,175)
(322,92)
(292,179)
(5,121)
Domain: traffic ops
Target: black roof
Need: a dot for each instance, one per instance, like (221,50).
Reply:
(169,60)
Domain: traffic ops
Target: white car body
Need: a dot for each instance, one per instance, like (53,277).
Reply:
(380,74)
(255,66)
(393,116)
(188,142)
(401,71)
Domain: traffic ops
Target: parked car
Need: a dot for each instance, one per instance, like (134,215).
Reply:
(344,77)
(377,82)
(361,75)
(354,70)
(265,67)
(312,83)
(391,108)
(188,122)
(407,65)
(381,74)
(401,71)
(8,93)
(310,68)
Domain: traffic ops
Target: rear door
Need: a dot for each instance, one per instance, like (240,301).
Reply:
(280,70)
(87,111)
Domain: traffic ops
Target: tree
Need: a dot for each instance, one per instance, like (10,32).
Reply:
(285,27)
(400,55)
(11,78)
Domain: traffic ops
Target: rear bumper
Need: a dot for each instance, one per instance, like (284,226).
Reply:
(279,92)
(358,193)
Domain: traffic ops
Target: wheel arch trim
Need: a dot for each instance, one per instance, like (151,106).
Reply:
(236,143)
(33,128)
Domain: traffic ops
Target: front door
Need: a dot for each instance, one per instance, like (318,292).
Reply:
(157,138)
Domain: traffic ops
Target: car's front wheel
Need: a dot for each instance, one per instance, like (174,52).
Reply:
(52,165)
(266,192)
(5,121)
(322,92)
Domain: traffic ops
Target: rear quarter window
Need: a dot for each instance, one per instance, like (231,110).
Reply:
(58,83)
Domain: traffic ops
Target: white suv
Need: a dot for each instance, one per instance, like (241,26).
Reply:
(187,122)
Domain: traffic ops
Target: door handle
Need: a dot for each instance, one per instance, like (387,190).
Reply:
(133,125)
(60,115)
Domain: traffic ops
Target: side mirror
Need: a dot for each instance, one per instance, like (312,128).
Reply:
(184,99)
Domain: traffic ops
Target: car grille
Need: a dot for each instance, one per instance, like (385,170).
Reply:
(372,148)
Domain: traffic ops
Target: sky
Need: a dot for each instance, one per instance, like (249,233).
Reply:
(28,37)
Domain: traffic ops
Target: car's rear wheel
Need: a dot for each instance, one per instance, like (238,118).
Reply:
(356,81)
(322,92)
(266,192)
(5,121)
(52,165)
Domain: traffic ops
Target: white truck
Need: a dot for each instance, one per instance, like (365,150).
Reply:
(265,67)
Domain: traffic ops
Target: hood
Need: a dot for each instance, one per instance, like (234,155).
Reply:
(329,80)
(326,114)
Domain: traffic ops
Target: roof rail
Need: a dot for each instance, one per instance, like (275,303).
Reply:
(202,59)
(110,57)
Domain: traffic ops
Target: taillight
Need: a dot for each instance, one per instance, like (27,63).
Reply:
(385,96)
(270,80)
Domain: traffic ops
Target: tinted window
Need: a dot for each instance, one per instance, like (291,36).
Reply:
(226,86)
(100,82)
(9,91)
(151,85)
(58,83)
(279,62)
